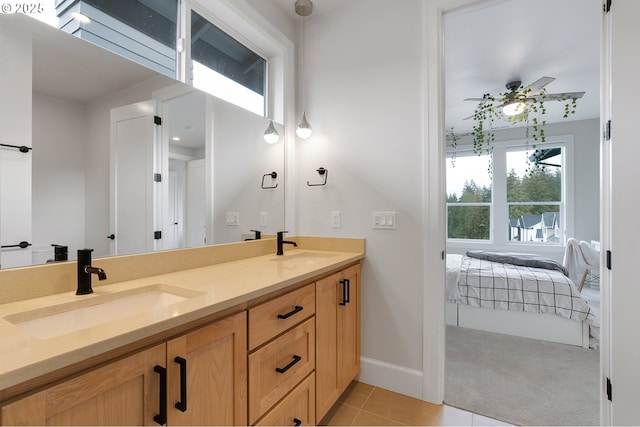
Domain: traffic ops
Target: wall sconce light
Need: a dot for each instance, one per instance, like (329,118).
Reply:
(271,135)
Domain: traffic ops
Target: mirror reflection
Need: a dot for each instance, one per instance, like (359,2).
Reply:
(122,159)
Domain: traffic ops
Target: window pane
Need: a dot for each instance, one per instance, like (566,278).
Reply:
(534,176)
(468,179)
(468,222)
(156,18)
(534,223)
(239,72)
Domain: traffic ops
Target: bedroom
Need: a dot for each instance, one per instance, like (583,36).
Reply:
(544,190)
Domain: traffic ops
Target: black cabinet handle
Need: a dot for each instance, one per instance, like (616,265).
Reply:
(182,404)
(348,299)
(295,360)
(291,313)
(344,292)
(161,418)
(297,422)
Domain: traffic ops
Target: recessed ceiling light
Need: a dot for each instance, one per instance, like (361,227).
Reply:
(175,138)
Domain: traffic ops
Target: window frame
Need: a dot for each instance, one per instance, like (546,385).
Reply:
(499,236)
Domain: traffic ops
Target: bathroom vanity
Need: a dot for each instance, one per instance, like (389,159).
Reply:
(258,340)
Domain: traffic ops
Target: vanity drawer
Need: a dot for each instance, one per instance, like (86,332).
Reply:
(298,408)
(279,366)
(276,316)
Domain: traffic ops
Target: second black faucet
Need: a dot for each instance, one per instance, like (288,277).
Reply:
(282,242)
(85,270)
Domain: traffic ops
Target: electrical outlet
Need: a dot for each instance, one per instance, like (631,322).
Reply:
(383,220)
(335,219)
(233,218)
(263,218)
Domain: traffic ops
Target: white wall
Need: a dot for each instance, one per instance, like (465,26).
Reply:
(364,99)
(59,150)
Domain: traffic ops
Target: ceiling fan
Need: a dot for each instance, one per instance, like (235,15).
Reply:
(515,101)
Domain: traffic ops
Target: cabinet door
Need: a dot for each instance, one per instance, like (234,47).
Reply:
(214,358)
(125,392)
(338,336)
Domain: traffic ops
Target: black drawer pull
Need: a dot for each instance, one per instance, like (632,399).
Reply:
(161,418)
(295,360)
(348,299)
(291,313)
(297,422)
(182,404)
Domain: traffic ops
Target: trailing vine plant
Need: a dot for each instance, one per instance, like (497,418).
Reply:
(533,116)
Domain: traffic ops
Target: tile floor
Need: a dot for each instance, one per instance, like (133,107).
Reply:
(365,405)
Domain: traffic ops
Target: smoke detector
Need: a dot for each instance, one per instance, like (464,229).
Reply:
(304,7)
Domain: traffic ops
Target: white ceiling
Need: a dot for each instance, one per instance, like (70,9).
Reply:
(498,41)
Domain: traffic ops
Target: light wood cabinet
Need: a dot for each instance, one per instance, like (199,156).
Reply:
(298,408)
(128,391)
(337,336)
(207,375)
(125,392)
(282,361)
(277,367)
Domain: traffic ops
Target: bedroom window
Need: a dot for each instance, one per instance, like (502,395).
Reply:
(469,197)
(534,194)
(516,195)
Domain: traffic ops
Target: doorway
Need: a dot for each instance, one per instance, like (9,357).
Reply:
(470,7)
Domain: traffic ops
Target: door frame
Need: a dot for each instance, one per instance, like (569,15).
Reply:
(434,212)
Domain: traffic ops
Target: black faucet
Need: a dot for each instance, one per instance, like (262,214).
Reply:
(85,270)
(282,242)
(258,235)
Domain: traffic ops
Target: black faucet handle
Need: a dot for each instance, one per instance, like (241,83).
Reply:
(258,234)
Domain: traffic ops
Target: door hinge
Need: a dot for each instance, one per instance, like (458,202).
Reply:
(157,120)
(157,235)
(606,7)
(157,177)
(608,260)
(607,131)
(609,390)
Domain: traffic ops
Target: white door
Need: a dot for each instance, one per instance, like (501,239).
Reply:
(195,216)
(15,207)
(133,140)
(619,237)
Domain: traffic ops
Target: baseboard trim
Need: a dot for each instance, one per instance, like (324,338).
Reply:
(391,377)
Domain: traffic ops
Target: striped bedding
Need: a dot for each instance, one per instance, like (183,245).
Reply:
(487,284)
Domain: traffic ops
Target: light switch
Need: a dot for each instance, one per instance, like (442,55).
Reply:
(233,218)
(263,219)
(383,220)
(335,219)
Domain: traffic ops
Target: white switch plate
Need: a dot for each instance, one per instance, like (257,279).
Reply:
(263,219)
(233,218)
(383,220)
(335,219)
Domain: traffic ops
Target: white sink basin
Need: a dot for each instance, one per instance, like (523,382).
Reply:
(91,310)
(302,258)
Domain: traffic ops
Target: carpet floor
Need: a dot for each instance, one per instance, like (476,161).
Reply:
(521,381)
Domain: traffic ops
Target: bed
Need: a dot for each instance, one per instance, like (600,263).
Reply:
(523,300)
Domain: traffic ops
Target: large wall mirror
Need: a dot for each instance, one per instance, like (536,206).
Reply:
(119,158)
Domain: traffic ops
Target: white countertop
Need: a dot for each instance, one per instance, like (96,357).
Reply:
(217,287)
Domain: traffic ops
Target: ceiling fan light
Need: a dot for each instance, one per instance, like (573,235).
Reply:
(271,135)
(514,108)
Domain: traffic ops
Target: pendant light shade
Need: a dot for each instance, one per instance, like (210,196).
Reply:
(304,130)
(271,135)
(303,8)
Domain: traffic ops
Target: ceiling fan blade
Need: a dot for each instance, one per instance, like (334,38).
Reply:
(475,99)
(558,96)
(538,84)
